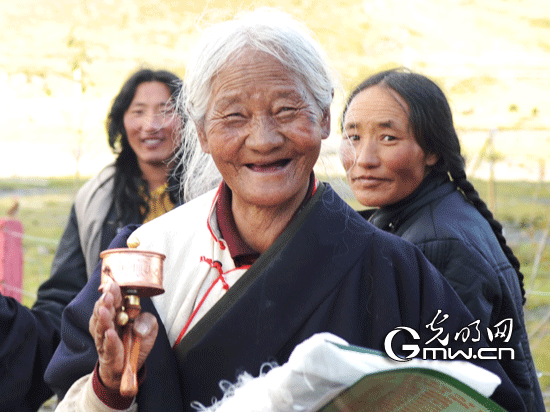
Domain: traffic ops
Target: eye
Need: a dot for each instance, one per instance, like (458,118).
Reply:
(349,136)
(285,109)
(167,110)
(388,138)
(234,115)
(234,119)
(285,112)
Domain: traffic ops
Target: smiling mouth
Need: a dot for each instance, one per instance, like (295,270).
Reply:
(268,167)
(365,179)
(152,141)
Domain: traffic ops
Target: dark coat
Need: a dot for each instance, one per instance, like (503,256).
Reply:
(328,271)
(28,340)
(68,272)
(460,243)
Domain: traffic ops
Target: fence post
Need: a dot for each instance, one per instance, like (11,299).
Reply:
(11,258)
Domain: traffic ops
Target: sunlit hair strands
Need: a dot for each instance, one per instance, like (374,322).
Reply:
(267,30)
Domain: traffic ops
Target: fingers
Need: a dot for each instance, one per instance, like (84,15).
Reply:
(113,289)
(105,309)
(104,332)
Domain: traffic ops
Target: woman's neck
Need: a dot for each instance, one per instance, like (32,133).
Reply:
(154,174)
(261,226)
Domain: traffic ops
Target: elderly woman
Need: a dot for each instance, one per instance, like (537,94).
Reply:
(268,259)
(402,158)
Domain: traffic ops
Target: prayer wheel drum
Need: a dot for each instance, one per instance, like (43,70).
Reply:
(133,269)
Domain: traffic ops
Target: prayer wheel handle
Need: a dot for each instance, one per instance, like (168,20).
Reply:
(132,343)
(139,274)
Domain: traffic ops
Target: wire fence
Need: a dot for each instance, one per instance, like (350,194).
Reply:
(37,240)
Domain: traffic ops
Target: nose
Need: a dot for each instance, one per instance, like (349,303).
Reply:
(368,155)
(152,121)
(263,136)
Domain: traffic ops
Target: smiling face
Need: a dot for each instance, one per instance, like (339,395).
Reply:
(383,161)
(263,130)
(150,125)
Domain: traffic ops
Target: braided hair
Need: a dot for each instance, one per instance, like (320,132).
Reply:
(431,122)
(128,177)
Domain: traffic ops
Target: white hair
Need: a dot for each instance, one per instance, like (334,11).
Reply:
(267,30)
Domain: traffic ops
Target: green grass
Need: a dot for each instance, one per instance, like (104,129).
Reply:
(523,204)
(44,206)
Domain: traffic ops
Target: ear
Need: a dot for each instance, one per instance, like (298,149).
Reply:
(202,138)
(431,159)
(325,123)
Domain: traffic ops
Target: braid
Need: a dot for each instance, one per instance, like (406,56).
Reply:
(472,196)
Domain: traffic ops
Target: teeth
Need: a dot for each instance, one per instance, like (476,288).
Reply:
(269,167)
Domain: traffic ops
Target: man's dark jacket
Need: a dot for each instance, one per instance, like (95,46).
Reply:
(28,339)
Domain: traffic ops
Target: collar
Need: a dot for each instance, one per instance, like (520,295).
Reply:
(390,217)
(241,252)
(238,248)
(158,202)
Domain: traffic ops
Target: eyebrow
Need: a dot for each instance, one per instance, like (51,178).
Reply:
(352,125)
(386,124)
(236,98)
(291,94)
(141,104)
(226,101)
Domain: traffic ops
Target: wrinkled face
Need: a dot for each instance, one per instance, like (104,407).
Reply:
(150,124)
(264,130)
(383,161)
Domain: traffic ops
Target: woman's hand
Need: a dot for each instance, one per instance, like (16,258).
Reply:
(105,332)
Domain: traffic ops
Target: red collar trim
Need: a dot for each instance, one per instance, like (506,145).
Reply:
(212,209)
(238,248)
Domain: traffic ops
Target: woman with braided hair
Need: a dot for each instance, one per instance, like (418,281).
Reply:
(402,159)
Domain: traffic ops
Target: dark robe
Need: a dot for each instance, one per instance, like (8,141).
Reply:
(28,339)
(330,270)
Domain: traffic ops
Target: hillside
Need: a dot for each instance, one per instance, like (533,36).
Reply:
(492,58)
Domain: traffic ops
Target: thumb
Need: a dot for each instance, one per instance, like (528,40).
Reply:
(145,324)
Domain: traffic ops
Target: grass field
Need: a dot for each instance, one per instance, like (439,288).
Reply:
(522,206)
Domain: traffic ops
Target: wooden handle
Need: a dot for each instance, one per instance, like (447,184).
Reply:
(132,342)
